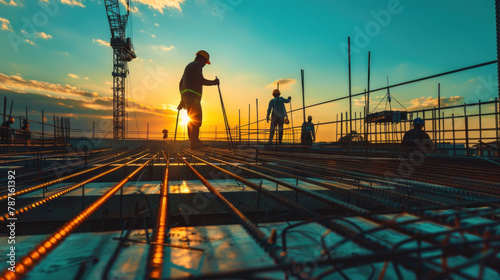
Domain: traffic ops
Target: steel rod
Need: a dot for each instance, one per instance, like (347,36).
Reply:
(154,266)
(30,260)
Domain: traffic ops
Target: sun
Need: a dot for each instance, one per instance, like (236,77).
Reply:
(184,118)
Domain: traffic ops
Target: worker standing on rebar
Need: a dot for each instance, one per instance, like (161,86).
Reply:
(191,89)
(307,136)
(277,106)
(417,140)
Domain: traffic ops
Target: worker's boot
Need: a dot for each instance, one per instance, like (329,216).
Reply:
(195,140)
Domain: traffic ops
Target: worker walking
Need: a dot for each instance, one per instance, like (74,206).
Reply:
(191,89)
(307,136)
(279,115)
(417,140)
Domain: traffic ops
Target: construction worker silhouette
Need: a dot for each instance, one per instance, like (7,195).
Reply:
(191,89)
(6,132)
(277,107)
(307,136)
(417,140)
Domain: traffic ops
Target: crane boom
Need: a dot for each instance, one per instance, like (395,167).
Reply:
(123,52)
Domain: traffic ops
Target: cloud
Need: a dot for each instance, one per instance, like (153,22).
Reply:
(159,5)
(64,105)
(11,2)
(163,48)
(152,35)
(16,83)
(43,35)
(30,42)
(73,76)
(6,24)
(66,100)
(132,9)
(283,83)
(432,102)
(72,3)
(156,24)
(101,42)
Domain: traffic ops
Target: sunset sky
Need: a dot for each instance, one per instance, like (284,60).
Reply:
(55,56)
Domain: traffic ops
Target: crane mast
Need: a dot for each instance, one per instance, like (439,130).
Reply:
(123,52)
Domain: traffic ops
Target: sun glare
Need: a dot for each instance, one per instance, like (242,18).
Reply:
(183,118)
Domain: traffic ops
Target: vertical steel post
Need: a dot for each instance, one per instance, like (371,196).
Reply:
(4,108)
(257,118)
(43,129)
(350,95)
(466,129)
(480,128)
(453,129)
(303,96)
(55,131)
(496,126)
(239,126)
(439,116)
(497,15)
(249,124)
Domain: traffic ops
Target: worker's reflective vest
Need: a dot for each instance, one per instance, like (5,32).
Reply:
(191,90)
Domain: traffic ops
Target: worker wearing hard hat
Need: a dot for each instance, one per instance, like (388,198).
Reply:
(191,88)
(417,140)
(279,115)
(307,136)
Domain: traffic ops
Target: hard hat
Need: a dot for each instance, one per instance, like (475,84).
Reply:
(309,118)
(276,92)
(205,55)
(418,121)
(11,119)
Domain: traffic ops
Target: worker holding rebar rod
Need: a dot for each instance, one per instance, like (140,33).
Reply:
(279,115)
(191,89)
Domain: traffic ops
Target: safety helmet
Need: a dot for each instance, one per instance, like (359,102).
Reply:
(309,118)
(11,119)
(276,92)
(204,54)
(418,121)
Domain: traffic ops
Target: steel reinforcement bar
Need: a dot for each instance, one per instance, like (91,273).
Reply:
(381,219)
(412,262)
(265,242)
(29,261)
(154,265)
(418,186)
(5,217)
(383,201)
(46,184)
(427,215)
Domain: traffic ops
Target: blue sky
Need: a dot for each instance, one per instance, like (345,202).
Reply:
(55,55)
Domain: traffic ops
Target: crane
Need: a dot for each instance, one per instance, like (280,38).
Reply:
(123,52)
